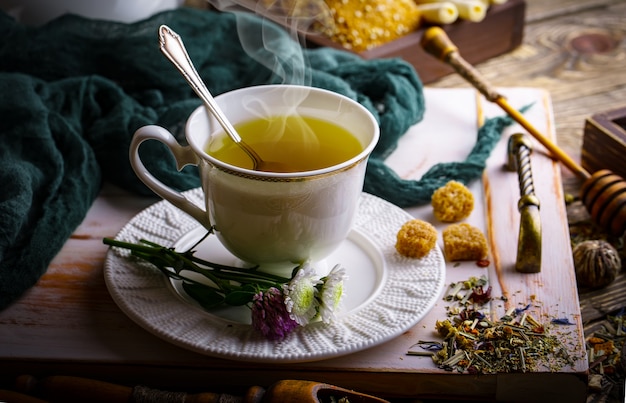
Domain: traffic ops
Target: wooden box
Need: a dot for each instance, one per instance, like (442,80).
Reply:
(604,142)
(501,31)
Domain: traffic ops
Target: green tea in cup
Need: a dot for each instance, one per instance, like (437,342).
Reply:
(297,143)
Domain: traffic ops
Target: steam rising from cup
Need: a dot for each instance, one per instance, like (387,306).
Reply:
(267,45)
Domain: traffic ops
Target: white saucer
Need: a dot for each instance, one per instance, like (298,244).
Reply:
(385,294)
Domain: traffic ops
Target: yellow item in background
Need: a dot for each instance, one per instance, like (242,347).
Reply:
(471,10)
(364,24)
(439,13)
(361,25)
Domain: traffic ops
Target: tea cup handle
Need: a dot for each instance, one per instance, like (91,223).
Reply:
(184,156)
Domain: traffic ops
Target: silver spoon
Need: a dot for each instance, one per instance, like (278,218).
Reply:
(173,48)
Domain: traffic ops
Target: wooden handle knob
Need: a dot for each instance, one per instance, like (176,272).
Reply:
(436,42)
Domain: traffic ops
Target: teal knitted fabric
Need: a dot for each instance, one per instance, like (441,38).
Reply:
(380,179)
(75,90)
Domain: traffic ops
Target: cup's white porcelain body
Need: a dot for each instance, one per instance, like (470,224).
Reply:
(266,217)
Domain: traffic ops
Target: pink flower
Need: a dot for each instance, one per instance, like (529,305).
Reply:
(270,315)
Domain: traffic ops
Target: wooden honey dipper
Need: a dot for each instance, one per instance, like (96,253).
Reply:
(603,192)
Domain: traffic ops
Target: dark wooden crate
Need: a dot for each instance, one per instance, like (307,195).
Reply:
(604,142)
(501,31)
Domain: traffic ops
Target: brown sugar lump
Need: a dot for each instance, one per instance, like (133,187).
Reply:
(464,242)
(452,202)
(416,238)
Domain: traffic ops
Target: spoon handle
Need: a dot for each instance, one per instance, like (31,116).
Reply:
(172,47)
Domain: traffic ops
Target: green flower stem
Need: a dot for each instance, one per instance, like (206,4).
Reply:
(223,276)
(248,272)
(163,258)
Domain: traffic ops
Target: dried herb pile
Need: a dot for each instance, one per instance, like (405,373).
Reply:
(473,343)
(605,352)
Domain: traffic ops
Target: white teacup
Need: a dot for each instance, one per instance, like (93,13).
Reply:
(270,217)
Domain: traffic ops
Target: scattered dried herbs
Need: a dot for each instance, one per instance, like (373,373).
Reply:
(485,347)
(473,343)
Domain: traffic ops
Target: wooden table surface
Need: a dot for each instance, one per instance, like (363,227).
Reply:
(70,324)
(574,49)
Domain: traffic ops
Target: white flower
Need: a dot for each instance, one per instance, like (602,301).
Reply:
(331,292)
(301,295)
